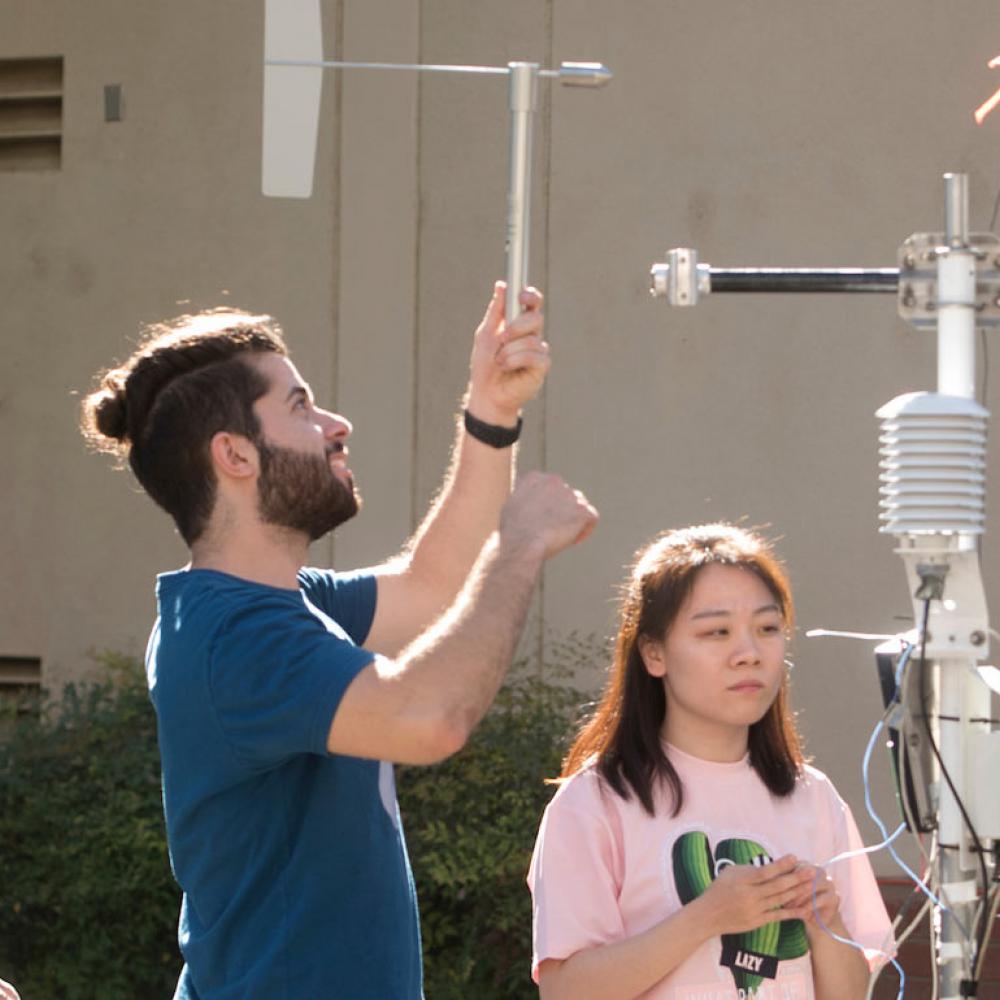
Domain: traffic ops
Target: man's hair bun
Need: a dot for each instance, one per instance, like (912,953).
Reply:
(104,419)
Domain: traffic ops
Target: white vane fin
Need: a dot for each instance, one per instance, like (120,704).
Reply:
(292,30)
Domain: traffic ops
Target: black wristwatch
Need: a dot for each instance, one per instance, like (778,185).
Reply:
(491,434)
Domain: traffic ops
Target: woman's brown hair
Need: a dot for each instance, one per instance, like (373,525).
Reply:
(623,737)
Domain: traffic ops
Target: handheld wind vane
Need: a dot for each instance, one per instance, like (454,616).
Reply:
(293,68)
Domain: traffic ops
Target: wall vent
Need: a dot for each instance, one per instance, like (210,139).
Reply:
(20,671)
(31,98)
(20,689)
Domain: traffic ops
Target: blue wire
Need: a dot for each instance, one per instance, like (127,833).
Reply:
(849,941)
(866,764)
(887,838)
(886,843)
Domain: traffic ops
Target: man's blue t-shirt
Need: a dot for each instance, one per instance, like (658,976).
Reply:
(292,861)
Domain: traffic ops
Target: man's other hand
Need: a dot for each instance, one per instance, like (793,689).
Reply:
(544,512)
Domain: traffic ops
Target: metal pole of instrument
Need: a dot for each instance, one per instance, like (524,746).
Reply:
(523,101)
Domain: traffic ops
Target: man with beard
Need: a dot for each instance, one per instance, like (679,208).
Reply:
(284,694)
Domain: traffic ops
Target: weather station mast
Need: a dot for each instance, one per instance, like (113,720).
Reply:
(933,486)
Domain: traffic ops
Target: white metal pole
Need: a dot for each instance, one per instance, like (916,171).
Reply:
(956,273)
(956,295)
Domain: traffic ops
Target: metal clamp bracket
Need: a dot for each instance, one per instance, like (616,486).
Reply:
(918,257)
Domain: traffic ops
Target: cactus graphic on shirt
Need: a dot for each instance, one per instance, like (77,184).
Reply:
(694,865)
(694,870)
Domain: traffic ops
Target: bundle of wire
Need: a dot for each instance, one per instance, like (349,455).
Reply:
(925,890)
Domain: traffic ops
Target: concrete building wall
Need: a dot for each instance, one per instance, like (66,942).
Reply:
(763,133)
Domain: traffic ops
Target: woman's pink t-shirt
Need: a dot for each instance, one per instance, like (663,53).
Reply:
(603,870)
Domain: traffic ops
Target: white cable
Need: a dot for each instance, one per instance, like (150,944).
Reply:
(969,939)
(820,633)
(900,939)
(927,885)
(886,843)
(929,858)
(920,883)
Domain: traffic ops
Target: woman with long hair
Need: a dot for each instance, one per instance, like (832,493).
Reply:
(681,857)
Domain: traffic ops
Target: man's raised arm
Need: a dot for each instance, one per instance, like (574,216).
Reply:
(422,707)
(507,369)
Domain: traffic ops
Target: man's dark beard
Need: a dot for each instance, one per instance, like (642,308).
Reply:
(300,491)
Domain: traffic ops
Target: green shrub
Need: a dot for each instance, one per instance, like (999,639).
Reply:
(88,906)
(470,827)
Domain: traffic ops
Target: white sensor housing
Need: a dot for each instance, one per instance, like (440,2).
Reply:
(933,450)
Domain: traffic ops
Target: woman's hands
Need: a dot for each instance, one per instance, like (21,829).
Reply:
(744,897)
(740,898)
